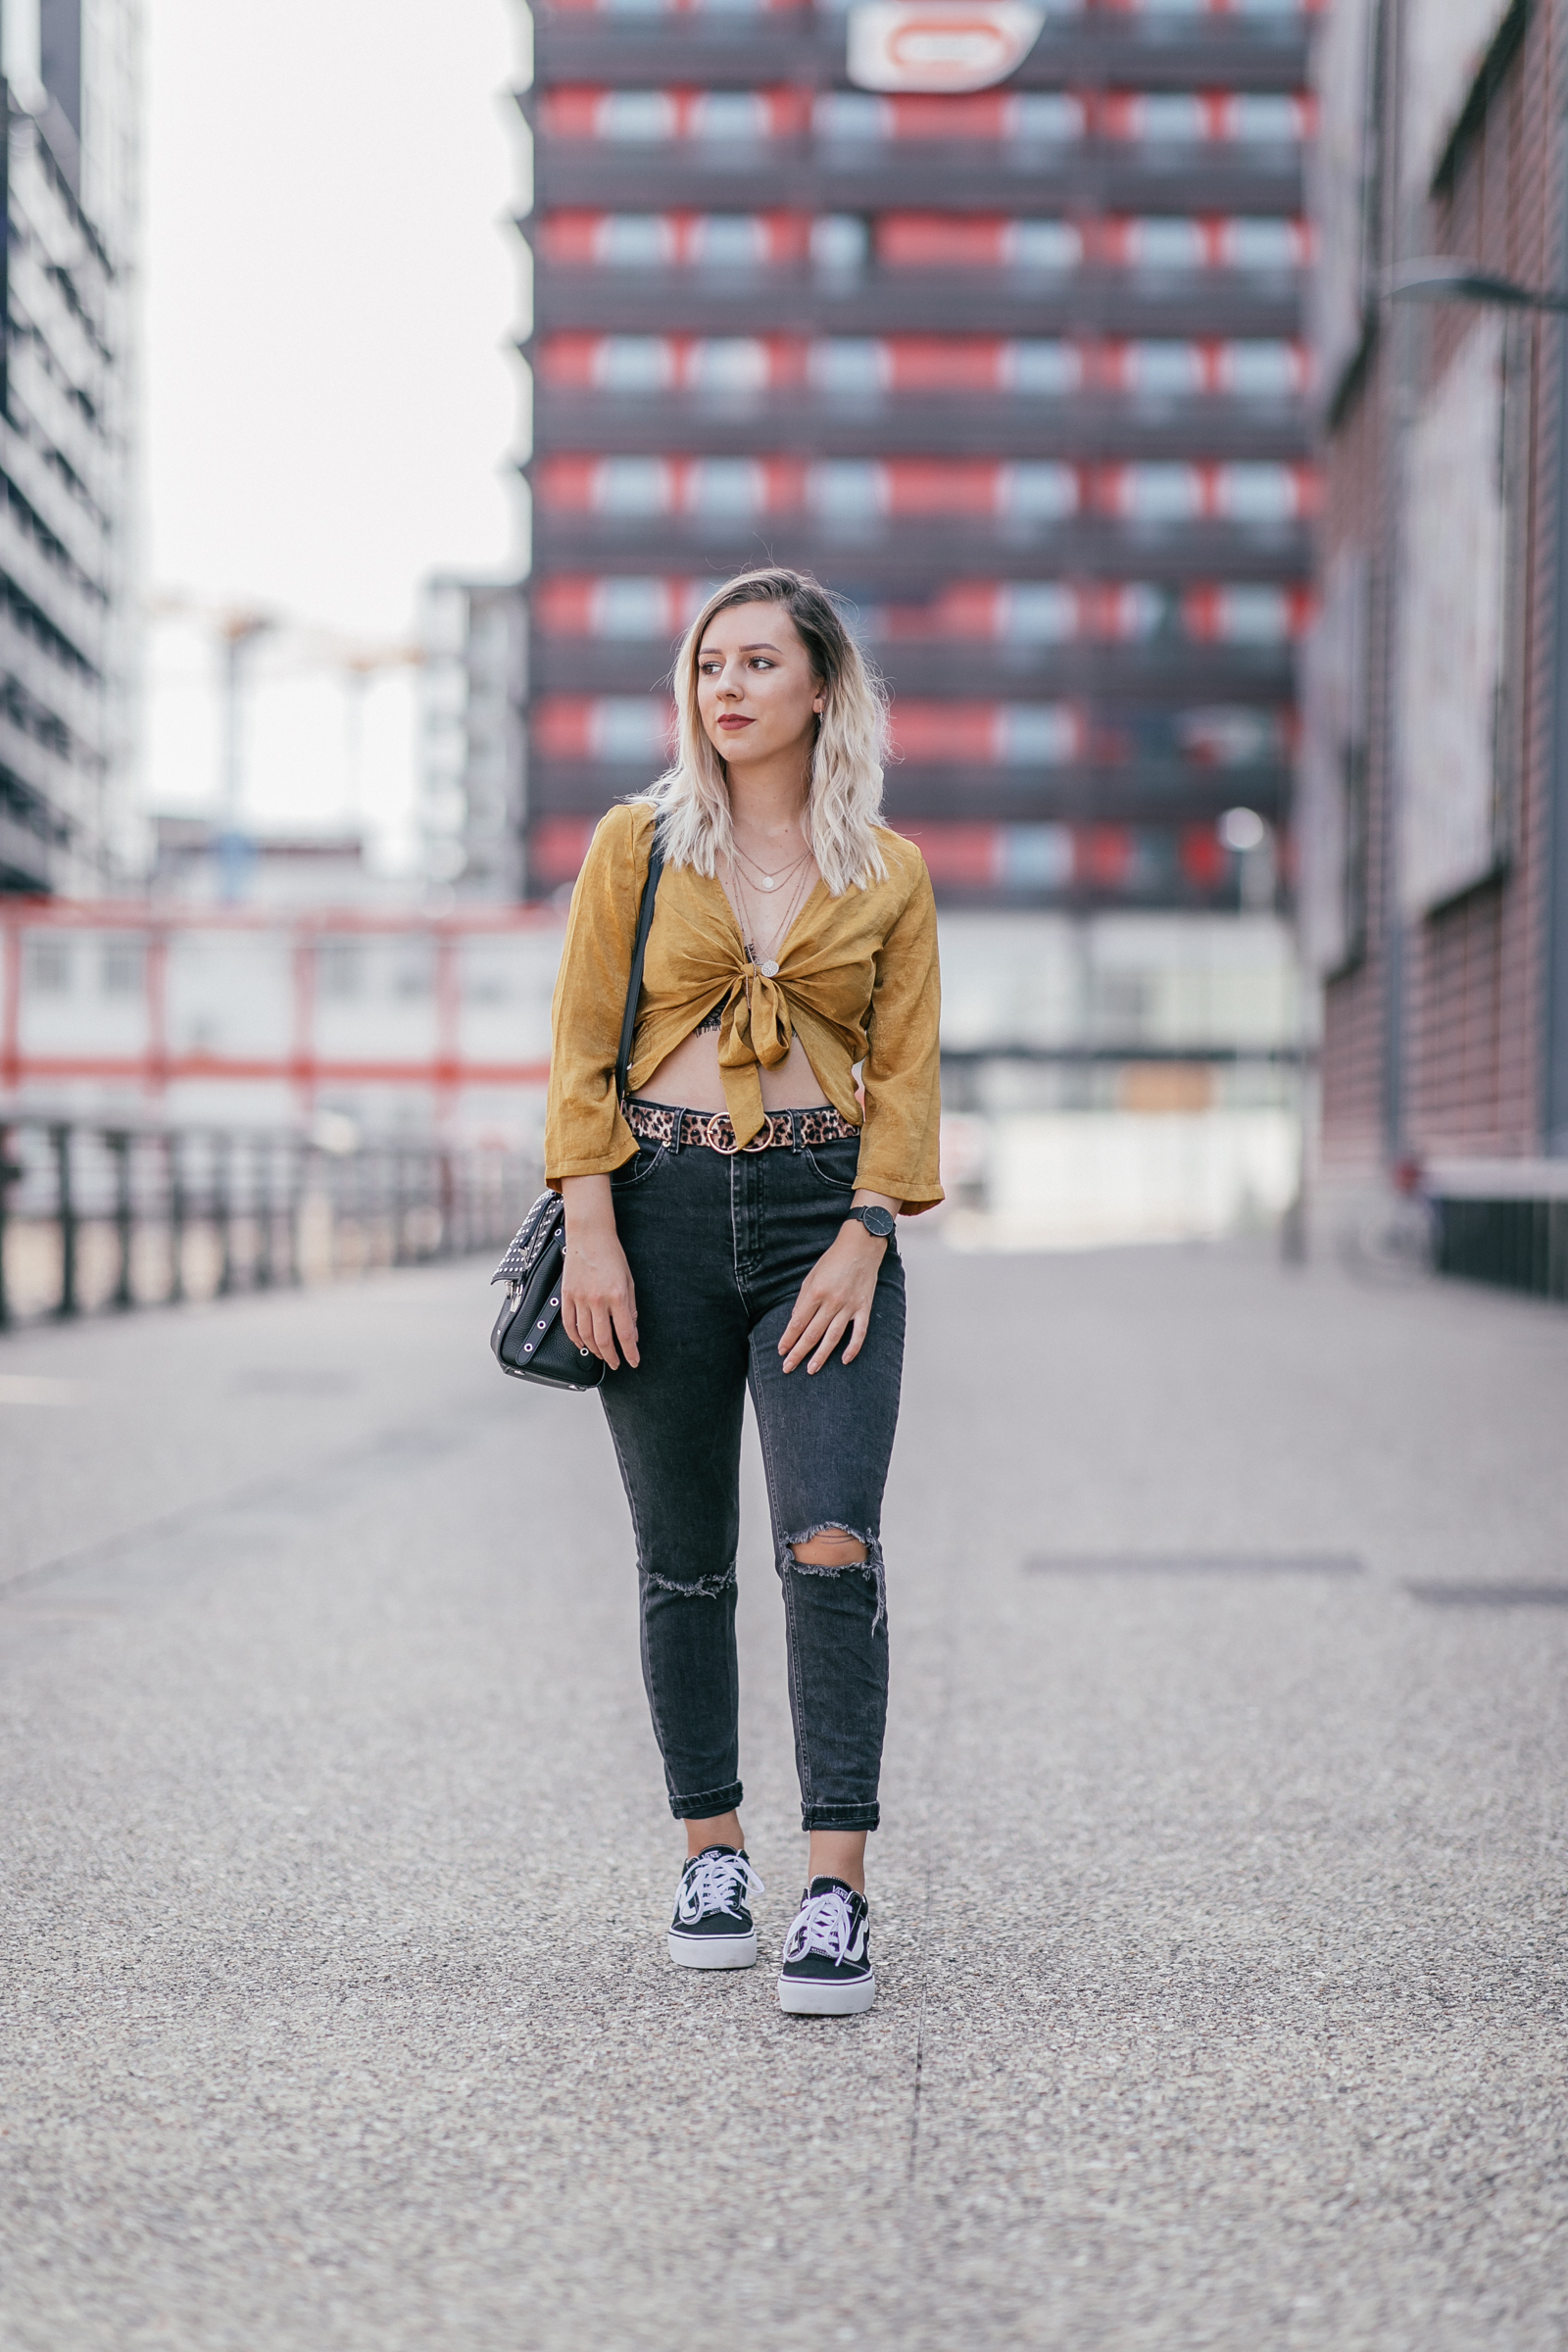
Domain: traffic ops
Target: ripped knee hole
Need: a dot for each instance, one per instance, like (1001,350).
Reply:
(832,1549)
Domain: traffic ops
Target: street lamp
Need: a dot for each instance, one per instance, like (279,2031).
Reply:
(1444,277)
(1251,842)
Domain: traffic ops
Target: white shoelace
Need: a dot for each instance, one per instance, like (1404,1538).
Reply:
(825,1923)
(715,1886)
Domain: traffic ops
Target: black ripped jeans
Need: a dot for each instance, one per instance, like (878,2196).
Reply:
(718,1247)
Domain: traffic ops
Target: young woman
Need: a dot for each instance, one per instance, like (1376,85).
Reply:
(732,1224)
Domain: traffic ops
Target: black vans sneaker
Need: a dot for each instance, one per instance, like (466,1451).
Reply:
(711,1927)
(827,1953)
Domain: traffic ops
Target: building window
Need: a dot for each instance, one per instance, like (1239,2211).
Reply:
(342,969)
(119,967)
(486,974)
(49,966)
(412,970)
(839,241)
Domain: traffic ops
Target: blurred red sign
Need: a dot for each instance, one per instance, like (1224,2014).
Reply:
(932,45)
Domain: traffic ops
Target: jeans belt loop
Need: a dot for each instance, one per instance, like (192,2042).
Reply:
(795,1130)
(675,1147)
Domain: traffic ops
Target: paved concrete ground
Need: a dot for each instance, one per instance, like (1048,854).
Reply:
(1219,1910)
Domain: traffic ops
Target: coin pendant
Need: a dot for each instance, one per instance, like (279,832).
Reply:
(769,882)
(769,968)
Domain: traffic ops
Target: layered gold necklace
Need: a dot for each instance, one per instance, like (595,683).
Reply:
(779,876)
(763,950)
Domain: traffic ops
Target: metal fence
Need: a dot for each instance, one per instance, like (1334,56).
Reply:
(96,1215)
(1520,1245)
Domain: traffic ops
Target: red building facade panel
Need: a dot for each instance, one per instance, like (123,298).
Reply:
(1018,373)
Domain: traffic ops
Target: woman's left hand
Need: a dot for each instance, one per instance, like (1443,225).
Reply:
(835,1296)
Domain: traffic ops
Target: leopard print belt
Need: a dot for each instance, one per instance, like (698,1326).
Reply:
(785,1131)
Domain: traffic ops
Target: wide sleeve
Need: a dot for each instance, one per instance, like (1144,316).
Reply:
(585,1134)
(903,1069)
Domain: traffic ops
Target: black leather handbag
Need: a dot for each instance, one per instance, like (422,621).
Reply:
(528,1339)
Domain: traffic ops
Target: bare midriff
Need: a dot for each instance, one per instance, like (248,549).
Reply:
(688,1078)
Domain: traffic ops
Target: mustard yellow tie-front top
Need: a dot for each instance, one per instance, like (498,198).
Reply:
(857,982)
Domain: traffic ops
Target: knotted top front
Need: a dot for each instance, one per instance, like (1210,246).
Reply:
(755,1032)
(698,962)
(856,981)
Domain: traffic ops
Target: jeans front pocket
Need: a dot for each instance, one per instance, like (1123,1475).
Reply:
(835,1164)
(632,1172)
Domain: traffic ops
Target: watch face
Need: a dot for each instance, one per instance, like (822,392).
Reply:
(877,1221)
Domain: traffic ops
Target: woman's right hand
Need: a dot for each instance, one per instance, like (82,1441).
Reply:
(598,1303)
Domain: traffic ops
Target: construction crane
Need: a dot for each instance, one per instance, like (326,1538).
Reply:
(238,631)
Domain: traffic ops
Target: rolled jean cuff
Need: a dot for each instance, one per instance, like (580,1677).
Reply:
(707,1803)
(840,1817)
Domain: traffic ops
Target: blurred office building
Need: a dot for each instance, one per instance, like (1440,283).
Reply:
(66,537)
(473,690)
(1435,802)
(991,316)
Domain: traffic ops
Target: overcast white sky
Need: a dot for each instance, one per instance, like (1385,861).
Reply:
(328,401)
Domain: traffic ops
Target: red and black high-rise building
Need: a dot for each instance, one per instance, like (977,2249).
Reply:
(1018,371)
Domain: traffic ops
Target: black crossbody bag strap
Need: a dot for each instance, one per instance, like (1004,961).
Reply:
(634,983)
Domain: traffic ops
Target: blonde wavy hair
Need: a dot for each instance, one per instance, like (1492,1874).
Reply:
(844,807)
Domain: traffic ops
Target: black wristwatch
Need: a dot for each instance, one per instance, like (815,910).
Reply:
(878,1222)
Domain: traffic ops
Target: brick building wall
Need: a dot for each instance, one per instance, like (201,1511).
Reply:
(1435,1031)
(1355,1029)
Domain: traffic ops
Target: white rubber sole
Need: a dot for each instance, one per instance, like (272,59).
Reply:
(713,1951)
(819,1996)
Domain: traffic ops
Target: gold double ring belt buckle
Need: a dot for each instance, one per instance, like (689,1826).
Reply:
(731,1150)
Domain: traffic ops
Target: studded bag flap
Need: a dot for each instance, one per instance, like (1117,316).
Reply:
(528,1338)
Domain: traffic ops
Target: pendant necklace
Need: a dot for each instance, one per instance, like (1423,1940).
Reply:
(766,881)
(768,965)
(775,880)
